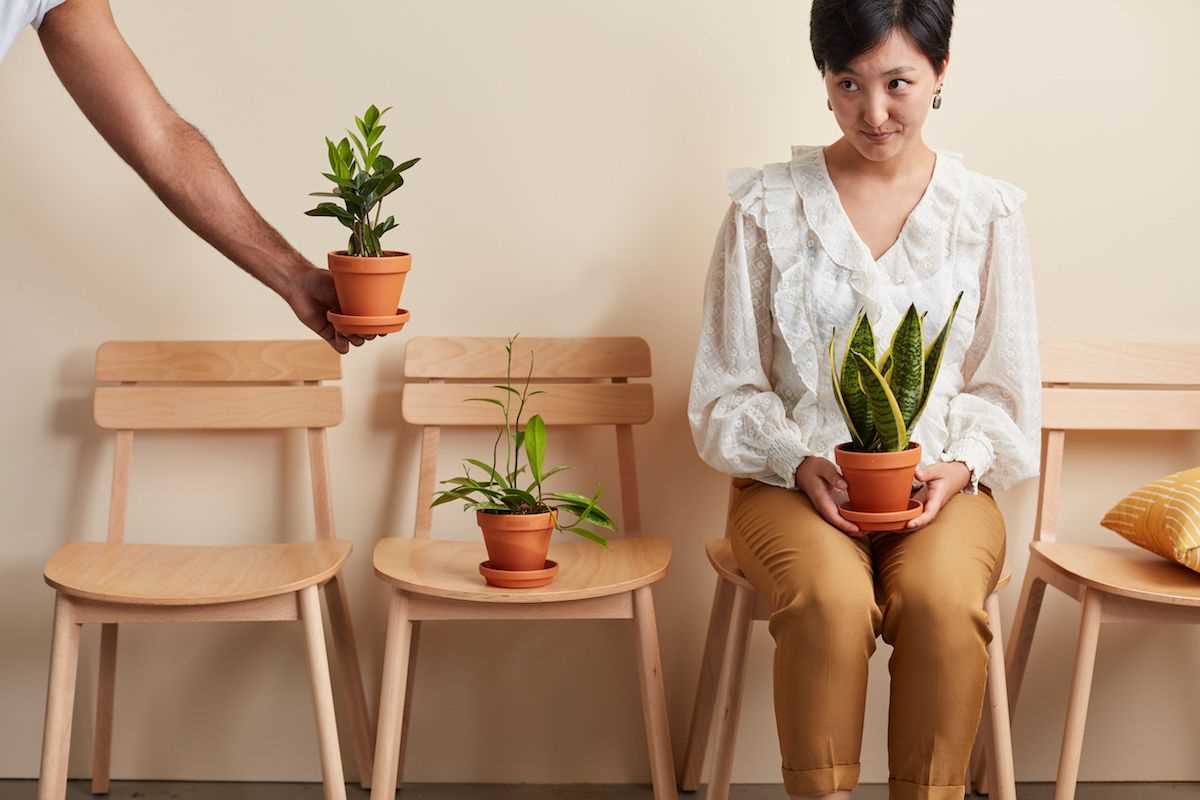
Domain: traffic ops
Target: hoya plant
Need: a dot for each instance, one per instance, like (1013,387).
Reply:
(362,177)
(501,492)
(882,399)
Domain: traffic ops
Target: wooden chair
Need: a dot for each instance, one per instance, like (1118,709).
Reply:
(736,606)
(1102,386)
(439,580)
(247,385)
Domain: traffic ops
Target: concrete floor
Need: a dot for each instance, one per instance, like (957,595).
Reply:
(129,790)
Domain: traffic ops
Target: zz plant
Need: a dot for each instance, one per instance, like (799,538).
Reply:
(496,492)
(362,177)
(881,400)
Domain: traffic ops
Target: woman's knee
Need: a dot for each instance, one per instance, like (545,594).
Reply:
(948,618)
(808,617)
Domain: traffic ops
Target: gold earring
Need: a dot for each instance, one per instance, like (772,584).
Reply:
(937,98)
(828,104)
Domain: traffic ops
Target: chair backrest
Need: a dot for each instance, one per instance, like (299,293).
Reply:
(1108,385)
(585,380)
(179,386)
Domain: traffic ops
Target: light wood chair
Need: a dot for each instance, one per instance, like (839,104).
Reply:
(245,385)
(1091,386)
(712,737)
(586,381)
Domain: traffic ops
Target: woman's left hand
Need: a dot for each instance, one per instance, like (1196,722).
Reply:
(942,481)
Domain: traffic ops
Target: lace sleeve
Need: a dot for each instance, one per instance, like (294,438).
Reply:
(738,422)
(994,424)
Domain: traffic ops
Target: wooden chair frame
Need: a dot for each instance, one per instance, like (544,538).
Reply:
(574,398)
(1091,385)
(294,398)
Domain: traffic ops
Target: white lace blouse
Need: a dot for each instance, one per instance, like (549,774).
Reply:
(788,267)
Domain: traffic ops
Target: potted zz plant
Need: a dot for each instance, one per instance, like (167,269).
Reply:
(518,518)
(368,279)
(881,401)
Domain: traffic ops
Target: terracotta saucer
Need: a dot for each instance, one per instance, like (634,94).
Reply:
(885,521)
(389,323)
(518,578)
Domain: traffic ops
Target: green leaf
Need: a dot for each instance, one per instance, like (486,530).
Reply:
(908,365)
(383,165)
(491,400)
(490,470)
(933,359)
(837,393)
(407,164)
(506,388)
(448,497)
(885,414)
(374,151)
(512,493)
(358,145)
(374,134)
(344,156)
(535,445)
(585,533)
(858,406)
(371,116)
(335,163)
(362,126)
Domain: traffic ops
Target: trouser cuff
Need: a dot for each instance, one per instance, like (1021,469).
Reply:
(907,790)
(826,780)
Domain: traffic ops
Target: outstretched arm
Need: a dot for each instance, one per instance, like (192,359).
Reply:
(115,93)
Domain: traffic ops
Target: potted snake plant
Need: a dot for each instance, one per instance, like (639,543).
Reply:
(369,279)
(881,400)
(518,518)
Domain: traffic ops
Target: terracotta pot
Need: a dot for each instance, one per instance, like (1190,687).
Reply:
(516,541)
(878,482)
(369,287)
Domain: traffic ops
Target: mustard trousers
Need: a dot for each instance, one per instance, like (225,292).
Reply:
(831,595)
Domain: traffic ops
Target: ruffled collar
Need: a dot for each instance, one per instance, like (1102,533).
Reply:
(926,240)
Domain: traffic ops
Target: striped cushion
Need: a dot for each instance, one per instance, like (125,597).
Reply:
(1163,517)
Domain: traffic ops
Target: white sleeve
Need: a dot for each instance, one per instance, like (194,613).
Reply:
(738,422)
(38,9)
(994,423)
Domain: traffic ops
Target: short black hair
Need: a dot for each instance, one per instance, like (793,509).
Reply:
(842,30)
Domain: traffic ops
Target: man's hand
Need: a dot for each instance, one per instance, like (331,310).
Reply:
(942,481)
(111,87)
(310,295)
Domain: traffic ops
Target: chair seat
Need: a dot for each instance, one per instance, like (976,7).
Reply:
(1126,571)
(450,569)
(720,555)
(177,575)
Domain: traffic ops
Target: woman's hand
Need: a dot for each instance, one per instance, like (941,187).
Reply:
(942,481)
(818,478)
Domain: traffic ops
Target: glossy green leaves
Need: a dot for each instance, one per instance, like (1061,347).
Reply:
(361,178)
(881,400)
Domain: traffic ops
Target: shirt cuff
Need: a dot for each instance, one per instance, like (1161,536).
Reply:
(975,451)
(784,454)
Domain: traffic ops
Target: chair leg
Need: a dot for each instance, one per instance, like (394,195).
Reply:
(60,702)
(654,696)
(414,645)
(392,698)
(1081,688)
(1000,750)
(350,674)
(1021,638)
(700,733)
(322,689)
(730,702)
(105,688)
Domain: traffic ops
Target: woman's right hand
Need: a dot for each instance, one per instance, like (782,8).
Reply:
(818,478)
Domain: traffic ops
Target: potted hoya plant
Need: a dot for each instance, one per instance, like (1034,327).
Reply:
(881,401)
(512,508)
(368,279)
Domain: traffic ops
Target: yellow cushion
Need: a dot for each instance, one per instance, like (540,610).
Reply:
(1163,516)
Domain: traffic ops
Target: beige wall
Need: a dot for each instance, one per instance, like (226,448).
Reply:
(574,157)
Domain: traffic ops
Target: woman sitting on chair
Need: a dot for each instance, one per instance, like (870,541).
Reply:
(877,220)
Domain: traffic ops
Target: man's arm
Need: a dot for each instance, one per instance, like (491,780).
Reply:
(116,94)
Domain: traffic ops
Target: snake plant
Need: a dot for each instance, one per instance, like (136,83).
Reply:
(882,399)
